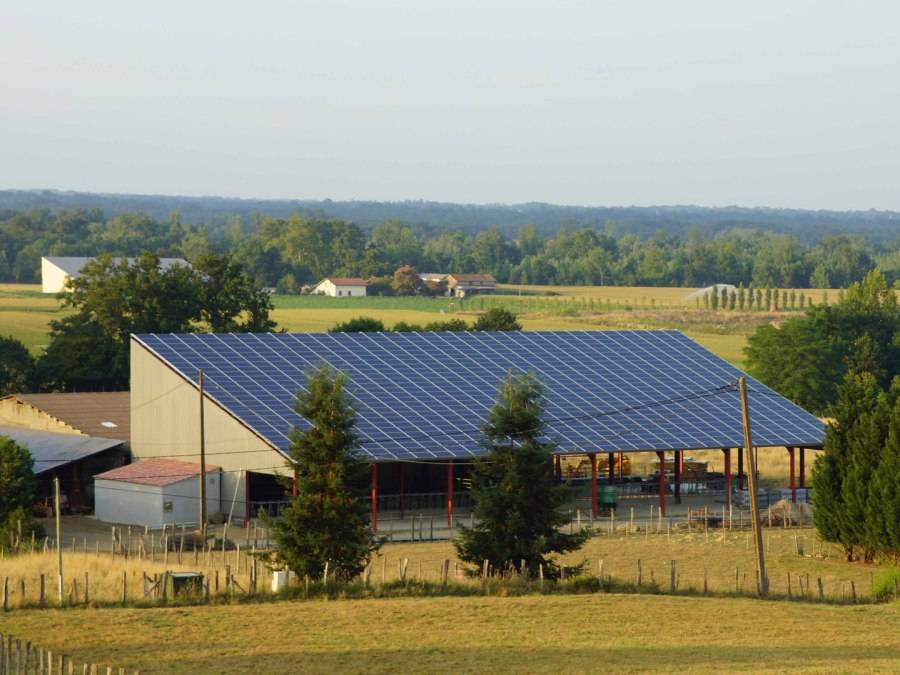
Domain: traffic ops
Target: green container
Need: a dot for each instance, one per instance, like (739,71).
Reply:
(608,497)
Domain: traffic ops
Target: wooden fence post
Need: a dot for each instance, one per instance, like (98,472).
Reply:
(672,581)
(639,573)
(821,589)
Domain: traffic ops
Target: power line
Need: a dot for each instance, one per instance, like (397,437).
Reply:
(553,421)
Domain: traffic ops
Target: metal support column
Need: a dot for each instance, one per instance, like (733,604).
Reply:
(677,466)
(793,477)
(727,452)
(593,458)
(740,473)
(374,471)
(611,458)
(450,494)
(803,467)
(662,481)
(402,504)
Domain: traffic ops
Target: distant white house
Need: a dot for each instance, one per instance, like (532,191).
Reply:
(461,285)
(341,287)
(56,270)
(701,292)
(434,277)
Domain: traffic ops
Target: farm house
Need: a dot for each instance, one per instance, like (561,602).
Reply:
(613,397)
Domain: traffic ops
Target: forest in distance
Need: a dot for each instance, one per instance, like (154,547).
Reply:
(670,246)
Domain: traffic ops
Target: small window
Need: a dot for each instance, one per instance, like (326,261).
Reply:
(340,293)
(349,293)
(168,507)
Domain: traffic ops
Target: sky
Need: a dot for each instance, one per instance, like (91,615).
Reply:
(784,103)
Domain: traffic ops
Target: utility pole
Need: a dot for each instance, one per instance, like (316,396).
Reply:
(752,482)
(202,463)
(59,566)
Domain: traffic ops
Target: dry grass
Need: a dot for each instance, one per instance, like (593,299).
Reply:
(618,633)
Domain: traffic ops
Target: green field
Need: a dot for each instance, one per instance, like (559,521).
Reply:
(25,312)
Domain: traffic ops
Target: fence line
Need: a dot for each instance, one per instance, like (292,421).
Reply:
(18,657)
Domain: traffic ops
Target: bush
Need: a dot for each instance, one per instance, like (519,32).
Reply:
(886,584)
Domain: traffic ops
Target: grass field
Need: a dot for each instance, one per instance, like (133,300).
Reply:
(25,313)
(574,633)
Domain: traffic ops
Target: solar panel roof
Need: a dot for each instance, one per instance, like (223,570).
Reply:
(425,395)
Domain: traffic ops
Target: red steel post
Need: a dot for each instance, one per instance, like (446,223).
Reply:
(611,458)
(803,467)
(727,452)
(593,458)
(793,477)
(450,493)
(662,481)
(677,464)
(374,471)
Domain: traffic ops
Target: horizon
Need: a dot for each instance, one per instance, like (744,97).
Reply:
(487,204)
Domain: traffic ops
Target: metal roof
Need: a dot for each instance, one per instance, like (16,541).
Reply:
(72,265)
(158,471)
(104,414)
(50,450)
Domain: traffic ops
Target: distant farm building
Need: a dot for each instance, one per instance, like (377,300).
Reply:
(700,293)
(341,287)
(433,277)
(155,492)
(57,270)
(421,398)
(461,285)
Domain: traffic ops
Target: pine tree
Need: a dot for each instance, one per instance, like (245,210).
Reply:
(802,300)
(732,299)
(706,302)
(775,299)
(517,498)
(759,299)
(714,299)
(841,473)
(724,300)
(784,301)
(793,299)
(742,297)
(768,299)
(751,297)
(327,520)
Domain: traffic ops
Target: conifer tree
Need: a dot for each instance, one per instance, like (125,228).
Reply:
(732,299)
(759,299)
(517,497)
(768,299)
(724,301)
(840,474)
(742,297)
(784,301)
(714,299)
(706,301)
(793,299)
(327,520)
(802,300)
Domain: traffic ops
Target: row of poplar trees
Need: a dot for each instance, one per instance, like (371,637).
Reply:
(758,299)
(856,481)
(517,498)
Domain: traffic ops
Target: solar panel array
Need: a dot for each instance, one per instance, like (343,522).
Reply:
(425,395)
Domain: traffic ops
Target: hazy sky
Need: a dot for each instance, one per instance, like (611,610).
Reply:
(780,103)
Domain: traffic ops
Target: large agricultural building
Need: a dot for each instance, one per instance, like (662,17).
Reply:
(421,398)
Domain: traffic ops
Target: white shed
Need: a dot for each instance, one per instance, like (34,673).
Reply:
(341,287)
(154,492)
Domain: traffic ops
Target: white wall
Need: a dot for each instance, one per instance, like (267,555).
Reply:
(164,419)
(53,279)
(329,288)
(116,501)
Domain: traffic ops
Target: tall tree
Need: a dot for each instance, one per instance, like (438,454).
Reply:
(517,497)
(327,520)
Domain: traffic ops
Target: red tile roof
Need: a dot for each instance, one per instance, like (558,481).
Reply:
(346,281)
(157,471)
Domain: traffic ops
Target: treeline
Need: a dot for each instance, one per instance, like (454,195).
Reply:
(807,225)
(291,252)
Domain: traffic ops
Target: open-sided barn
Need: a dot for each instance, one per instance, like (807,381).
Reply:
(421,398)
